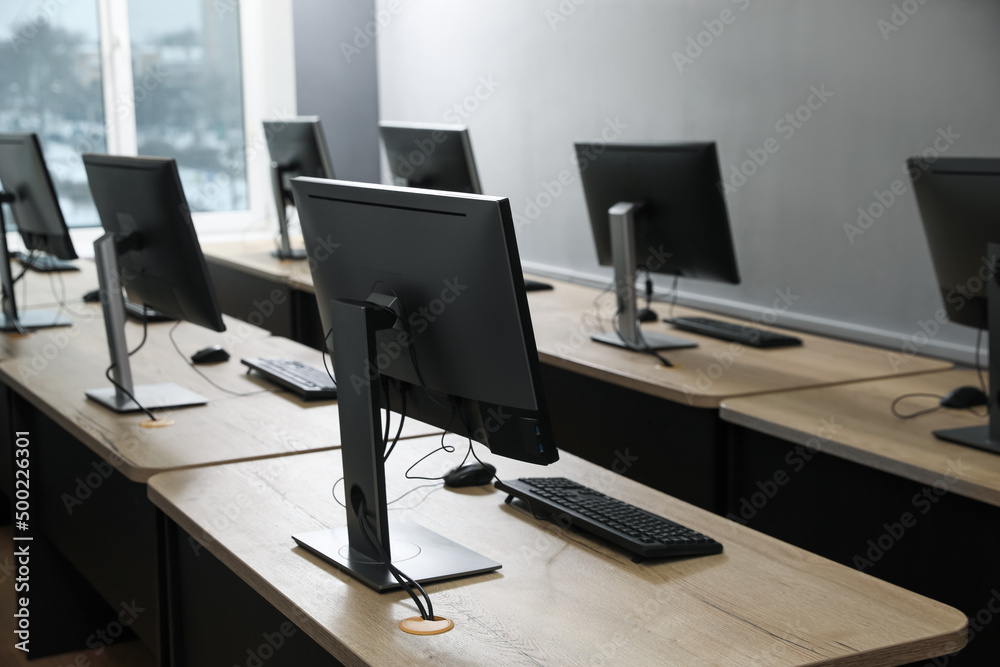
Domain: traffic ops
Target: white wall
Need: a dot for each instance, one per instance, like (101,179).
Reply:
(556,81)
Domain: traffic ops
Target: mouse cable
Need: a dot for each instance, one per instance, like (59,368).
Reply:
(982,385)
(170,335)
(910,415)
(407,582)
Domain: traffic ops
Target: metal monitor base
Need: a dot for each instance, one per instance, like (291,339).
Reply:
(293,253)
(654,341)
(970,436)
(422,554)
(151,396)
(34,319)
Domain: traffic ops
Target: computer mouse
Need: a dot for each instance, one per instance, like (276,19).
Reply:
(965,397)
(210,355)
(93,296)
(474,474)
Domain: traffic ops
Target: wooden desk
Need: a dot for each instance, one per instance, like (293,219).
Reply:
(89,465)
(833,471)
(865,431)
(560,598)
(564,318)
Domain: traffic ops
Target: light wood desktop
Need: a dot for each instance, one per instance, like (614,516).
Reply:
(53,368)
(560,598)
(866,431)
(564,318)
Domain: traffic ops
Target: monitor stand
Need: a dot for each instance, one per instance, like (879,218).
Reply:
(986,437)
(10,319)
(629,335)
(285,251)
(150,396)
(420,553)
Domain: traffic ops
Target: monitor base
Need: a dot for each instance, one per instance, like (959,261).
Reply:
(654,341)
(35,319)
(977,437)
(422,554)
(151,396)
(294,253)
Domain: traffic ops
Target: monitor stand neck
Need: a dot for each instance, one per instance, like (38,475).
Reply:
(117,398)
(986,437)
(420,553)
(285,251)
(10,319)
(621,217)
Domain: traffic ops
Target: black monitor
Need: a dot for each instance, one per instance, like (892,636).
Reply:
(430,156)
(28,189)
(298,148)
(150,249)
(659,208)
(435,157)
(959,202)
(429,318)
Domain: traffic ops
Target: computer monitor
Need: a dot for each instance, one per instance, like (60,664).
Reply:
(430,156)
(959,203)
(435,157)
(655,207)
(425,303)
(151,249)
(28,189)
(298,148)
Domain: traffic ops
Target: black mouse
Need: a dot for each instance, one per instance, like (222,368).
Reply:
(965,397)
(474,474)
(93,296)
(210,355)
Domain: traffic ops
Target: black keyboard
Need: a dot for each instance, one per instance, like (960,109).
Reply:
(739,333)
(310,383)
(138,312)
(643,533)
(43,263)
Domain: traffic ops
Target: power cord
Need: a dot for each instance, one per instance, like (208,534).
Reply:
(644,348)
(107,372)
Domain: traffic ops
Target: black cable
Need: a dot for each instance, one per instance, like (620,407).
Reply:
(323,353)
(673,296)
(402,419)
(170,335)
(144,329)
(644,348)
(900,415)
(649,291)
(107,374)
(404,580)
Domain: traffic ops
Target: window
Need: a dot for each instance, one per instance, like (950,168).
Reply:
(129,77)
(50,84)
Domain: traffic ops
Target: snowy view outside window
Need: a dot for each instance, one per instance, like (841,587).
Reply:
(188,99)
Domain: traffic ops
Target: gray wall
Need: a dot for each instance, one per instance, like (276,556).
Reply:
(555,81)
(335,79)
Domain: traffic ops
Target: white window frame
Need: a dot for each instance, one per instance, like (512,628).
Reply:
(268,84)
